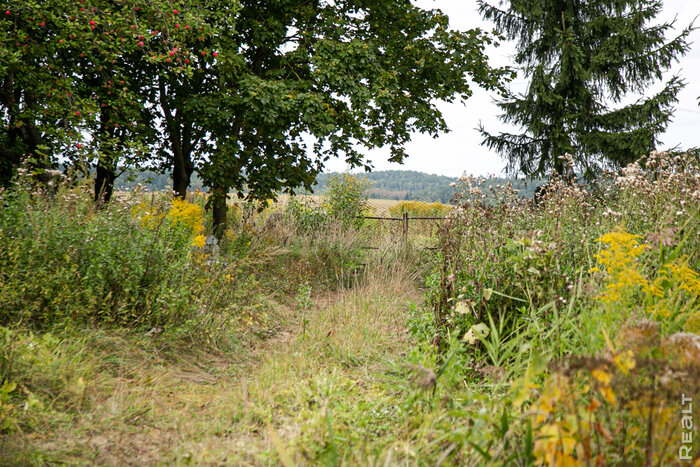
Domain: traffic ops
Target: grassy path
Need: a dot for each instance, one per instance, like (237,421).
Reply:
(324,386)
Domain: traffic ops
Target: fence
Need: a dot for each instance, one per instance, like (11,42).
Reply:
(404,219)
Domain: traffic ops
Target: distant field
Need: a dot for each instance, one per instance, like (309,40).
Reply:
(379,207)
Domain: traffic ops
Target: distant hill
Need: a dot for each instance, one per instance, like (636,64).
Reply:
(151,181)
(412,185)
(402,184)
(387,184)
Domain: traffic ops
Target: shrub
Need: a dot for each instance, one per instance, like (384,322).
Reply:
(419,209)
(562,281)
(134,264)
(66,261)
(347,199)
(306,215)
(345,202)
(514,257)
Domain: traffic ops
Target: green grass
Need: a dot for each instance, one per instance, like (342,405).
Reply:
(112,397)
(301,346)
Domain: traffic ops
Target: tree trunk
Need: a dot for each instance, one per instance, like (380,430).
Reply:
(219,211)
(104,181)
(180,136)
(182,173)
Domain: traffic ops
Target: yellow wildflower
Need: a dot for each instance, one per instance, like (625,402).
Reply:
(199,241)
(620,262)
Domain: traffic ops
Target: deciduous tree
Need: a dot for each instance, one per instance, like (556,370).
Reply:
(352,74)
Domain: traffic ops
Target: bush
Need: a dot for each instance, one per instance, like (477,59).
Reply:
(135,264)
(306,215)
(601,282)
(345,203)
(515,257)
(419,209)
(347,199)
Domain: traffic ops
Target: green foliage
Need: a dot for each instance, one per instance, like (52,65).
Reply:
(516,258)
(346,199)
(351,59)
(306,215)
(76,77)
(344,202)
(581,60)
(224,90)
(138,264)
(85,266)
(562,282)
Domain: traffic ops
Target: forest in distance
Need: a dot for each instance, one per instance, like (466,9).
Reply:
(385,184)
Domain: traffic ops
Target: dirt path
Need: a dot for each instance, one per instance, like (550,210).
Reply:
(303,384)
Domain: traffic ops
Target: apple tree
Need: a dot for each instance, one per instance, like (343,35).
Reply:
(75,76)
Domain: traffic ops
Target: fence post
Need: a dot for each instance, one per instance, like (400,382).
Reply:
(405,227)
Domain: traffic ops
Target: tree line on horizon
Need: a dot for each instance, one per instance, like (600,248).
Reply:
(400,185)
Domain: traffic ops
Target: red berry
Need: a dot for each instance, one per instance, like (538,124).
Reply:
(175,12)
(78,145)
(92,23)
(177,25)
(77,113)
(140,44)
(187,27)
(172,53)
(42,24)
(215,54)
(60,41)
(187,61)
(8,12)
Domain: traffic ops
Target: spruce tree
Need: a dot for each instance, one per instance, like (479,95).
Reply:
(583,59)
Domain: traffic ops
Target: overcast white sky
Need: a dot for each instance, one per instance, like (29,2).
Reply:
(460,150)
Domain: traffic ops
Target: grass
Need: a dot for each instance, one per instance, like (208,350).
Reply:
(128,398)
(301,346)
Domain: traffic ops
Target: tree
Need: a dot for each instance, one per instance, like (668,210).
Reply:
(255,96)
(75,75)
(582,59)
(352,74)
(181,99)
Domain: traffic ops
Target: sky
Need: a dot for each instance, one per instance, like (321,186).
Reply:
(460,151)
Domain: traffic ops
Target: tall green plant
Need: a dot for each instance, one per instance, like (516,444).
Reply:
(347,199)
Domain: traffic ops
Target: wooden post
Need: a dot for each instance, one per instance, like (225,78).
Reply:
(405,227)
